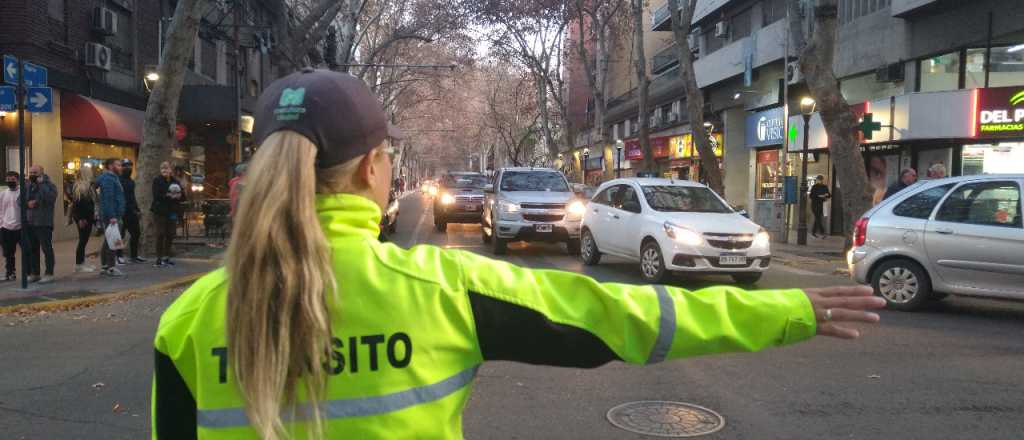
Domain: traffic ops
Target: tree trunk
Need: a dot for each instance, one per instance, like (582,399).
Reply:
(694,96)
(162,108)
(840,122)
(643,89)
(349,31)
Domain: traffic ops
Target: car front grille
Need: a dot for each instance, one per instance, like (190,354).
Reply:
(551,206)
(729,241)
(469,199)
(543,217)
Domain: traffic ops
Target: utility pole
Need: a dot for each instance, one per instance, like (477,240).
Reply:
(238,74)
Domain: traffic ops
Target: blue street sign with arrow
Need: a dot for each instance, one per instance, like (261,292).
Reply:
(7,99)
(40,100)
(10,69)
(35,75)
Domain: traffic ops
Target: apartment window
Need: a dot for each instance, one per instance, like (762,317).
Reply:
(740,25)
(55,8)
(940,73)
(208,59)
(772,11)
(850,10)
(122,45)
(711,42)
(867,88)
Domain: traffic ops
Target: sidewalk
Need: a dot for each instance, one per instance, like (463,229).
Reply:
(818,255)
(194,261)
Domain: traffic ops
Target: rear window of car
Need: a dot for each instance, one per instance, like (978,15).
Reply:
(922,204)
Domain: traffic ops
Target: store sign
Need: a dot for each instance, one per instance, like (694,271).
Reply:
(766,128)
(594,163)
(1000,112)
(659,146)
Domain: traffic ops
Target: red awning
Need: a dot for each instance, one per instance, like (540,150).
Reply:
(86,118)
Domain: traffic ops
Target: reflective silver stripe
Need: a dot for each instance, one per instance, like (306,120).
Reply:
(666,326)
(358,407)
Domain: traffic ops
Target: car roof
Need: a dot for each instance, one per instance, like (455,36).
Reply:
(652,181)
(551,170)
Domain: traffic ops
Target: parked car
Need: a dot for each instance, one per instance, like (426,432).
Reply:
(531,204)
(673,226)
(960,235)
(389,219)
(461,199)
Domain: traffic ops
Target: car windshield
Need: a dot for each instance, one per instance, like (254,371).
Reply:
(684,199)
(533,181)
(472,181)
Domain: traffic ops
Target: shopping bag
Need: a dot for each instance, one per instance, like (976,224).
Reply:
(114,240)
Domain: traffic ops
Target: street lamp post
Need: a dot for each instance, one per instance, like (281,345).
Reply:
(619,145)
(806,109)
(586,156)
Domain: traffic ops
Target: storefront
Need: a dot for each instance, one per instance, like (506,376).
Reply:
(765,133)
(684,163)
(594,168)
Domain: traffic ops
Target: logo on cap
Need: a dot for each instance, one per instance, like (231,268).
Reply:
(289,107)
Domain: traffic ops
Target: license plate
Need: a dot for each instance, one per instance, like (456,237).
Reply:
(732,260)
(544,228)
(469,208)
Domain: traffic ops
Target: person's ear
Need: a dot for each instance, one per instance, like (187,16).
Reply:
(368,168)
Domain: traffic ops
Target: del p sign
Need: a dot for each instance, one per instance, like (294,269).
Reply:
(765,128)
(1000,112)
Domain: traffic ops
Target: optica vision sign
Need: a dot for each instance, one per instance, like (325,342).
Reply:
(999,112)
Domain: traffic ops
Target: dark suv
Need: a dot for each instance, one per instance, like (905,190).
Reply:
(460,199)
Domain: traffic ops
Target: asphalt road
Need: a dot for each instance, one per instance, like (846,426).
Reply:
(954,371)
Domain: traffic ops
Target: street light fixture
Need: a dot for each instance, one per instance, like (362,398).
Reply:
(619,145)
(807,107)
(586,157)
(151,76)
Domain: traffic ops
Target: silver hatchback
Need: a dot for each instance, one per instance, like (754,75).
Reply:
(960,235)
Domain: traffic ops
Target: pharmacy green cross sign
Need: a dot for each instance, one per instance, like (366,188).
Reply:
(868,126)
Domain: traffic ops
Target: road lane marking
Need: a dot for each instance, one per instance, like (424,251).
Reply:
(414,238)
(796,271)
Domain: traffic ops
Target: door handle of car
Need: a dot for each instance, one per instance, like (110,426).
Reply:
(944,231)
(613,215)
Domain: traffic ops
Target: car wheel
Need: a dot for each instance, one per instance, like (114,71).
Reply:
(652,264)
(498,245)
(903,283)
(747,278)
(588,249)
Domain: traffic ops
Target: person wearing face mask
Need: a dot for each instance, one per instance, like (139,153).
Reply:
(10,223)
(168,196)
(41,196)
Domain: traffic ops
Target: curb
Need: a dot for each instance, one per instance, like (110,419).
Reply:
(101,298)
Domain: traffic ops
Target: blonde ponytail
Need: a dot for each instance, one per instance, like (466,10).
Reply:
(280,272)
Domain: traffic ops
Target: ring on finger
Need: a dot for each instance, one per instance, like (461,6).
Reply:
(828,314)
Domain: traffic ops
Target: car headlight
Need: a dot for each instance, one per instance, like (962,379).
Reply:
(447,199)
(576,209)
(763,238)
(508,207)
(432,190)
(683,235)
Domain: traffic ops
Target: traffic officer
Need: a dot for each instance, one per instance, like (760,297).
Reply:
(386,341)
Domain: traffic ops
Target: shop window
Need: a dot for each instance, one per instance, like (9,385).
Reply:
(940,73)
(922,204)
(1002,158)
(767,175)
(984,203)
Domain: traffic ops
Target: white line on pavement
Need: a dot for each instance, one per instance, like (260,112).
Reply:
(795,271)
(413,239)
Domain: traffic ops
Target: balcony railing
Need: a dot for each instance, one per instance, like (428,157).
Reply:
(660,19)
(664,60)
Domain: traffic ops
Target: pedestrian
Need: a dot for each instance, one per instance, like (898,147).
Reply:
(112,210)
(819,194)
(10,223)
(168,196)
(83,214)
(235,187)
(907,177)
(132,215)
(41,196)
(316,329)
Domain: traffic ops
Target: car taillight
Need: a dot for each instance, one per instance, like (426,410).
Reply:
(860,232)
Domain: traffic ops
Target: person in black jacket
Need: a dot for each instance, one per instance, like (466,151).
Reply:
(819,194)
(132,214)
(83,214)
(168,196)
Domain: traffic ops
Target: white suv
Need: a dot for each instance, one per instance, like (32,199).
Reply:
(673,226)
(531,204)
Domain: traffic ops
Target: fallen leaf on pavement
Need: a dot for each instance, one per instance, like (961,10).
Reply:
(118,408)
(874,376)
(98,385)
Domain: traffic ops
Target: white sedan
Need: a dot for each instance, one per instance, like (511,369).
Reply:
(673,226)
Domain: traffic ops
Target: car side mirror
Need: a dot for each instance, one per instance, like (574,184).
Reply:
(744,213)
(489,188)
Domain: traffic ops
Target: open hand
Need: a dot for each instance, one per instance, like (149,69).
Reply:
(835,306)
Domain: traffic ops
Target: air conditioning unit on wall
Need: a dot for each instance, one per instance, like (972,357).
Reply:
(98,56)
(722,29)
(104,21)
(793,75)
(693,40)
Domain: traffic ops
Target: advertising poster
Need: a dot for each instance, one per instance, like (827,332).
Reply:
(882,172)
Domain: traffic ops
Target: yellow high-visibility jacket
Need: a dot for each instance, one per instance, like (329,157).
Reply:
(412,327)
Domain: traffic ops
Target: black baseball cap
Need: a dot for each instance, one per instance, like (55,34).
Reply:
(336,111)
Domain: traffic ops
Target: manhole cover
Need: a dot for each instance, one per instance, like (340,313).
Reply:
(665,419)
